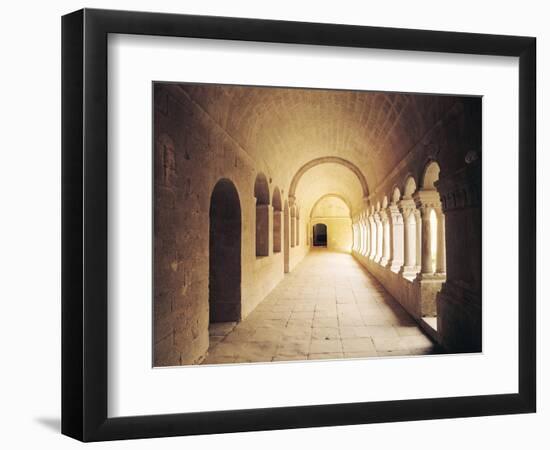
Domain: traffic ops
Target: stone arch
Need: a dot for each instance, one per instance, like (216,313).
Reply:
(224,277)
(326,160)
(385,202)
(430,175)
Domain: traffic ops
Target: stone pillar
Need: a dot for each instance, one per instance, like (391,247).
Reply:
(395,220)
(409,237)
(372,228)
(363,238)
(441,261)
(292,227)
(386,239)
(426,266)
(359,236)
(379,237)
(459,302)
(418,257)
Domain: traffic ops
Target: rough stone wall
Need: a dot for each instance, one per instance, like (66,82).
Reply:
(192,153)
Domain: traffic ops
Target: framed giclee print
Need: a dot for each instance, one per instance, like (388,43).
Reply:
(276,224)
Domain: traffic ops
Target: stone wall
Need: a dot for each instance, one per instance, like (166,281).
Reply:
(192,153)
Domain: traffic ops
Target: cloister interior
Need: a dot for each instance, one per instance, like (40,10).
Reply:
(296,224)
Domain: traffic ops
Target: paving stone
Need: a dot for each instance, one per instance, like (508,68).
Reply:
(325,322)
(358,345)
(327,333)
(320,311)
(388,343)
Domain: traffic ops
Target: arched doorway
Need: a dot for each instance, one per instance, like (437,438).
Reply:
(319,235)
(224,283)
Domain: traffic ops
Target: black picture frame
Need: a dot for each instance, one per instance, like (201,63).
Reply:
(84,224)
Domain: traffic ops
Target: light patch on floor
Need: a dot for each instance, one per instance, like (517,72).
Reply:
(328,307)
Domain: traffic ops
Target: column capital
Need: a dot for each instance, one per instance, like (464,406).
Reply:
(406,206)
(426,199)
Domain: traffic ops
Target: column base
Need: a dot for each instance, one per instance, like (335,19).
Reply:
(395,266)
(430,276)
(408,272)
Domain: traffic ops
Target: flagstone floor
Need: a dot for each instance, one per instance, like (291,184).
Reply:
(328,307)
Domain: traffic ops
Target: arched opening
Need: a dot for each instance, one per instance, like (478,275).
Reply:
(224,280)
(435,224)
(333,211)
(319,235)
(261,192)
(277,220)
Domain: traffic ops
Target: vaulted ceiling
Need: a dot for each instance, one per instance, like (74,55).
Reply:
(285,128)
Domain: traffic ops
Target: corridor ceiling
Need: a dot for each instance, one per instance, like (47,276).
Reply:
(283,129)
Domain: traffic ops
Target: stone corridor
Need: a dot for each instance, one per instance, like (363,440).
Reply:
(328,307)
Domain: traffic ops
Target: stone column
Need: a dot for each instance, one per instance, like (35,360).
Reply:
(292,227)
(372,228)
(366,227)
(354,229)
(379,237)
(386,238)
(426,201)
(359,238)
(409,237)
(441,264)
(395,220)
(426,258)
(418,258)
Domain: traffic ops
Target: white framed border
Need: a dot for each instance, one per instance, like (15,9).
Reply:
(137,389)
